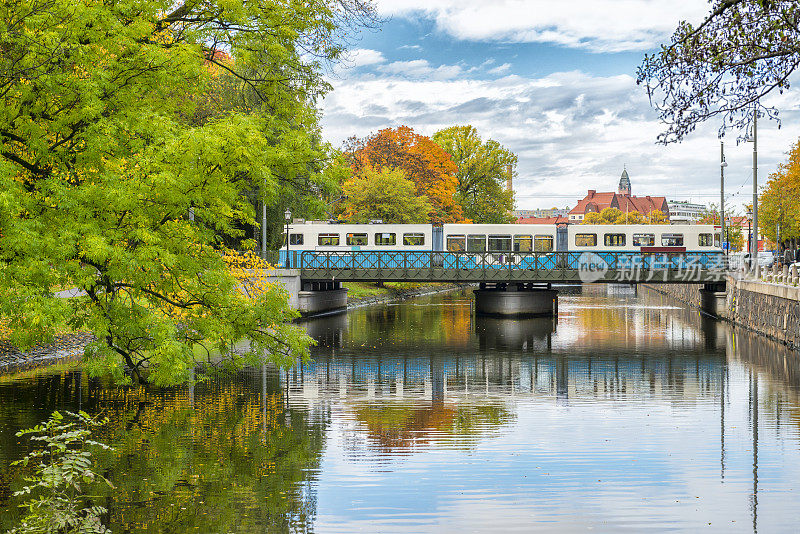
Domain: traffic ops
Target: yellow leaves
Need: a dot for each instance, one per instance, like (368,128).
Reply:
(250,270)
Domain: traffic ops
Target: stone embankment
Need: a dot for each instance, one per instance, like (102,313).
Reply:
(768,308)
(63,347)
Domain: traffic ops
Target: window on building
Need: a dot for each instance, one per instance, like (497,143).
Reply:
(523,243)
(359,240)
(295,239)
(543,243)
(413,240)
(456,243)
(671,240)
(585,240)
(328,239)
(499,243)
(476,243)
(614,240)
(385,239)
(705,240)
(644,240)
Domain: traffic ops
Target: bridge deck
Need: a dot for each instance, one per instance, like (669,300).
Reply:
(580,267)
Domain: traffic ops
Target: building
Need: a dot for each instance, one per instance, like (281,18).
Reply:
(684,212)
(558,219)
(541,213)
(622,200)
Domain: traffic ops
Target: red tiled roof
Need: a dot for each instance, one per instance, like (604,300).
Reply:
(599,201)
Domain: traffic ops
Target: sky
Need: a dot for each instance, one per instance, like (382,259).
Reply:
(555,83)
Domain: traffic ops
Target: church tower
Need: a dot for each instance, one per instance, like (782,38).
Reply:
(624,184)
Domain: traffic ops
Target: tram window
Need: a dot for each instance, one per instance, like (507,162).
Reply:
(644,240)
(543,243)
(585,240)
(705,240)
(614,240)
(413,240)
(523,243)
(500,243)
(671,240)
(476,243)
(356,239)
(456,243)
(385,239)
(295,239)
(717,238)
(328,239)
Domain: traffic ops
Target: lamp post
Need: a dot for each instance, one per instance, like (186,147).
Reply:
(722,165)
(288,216)
(754,138)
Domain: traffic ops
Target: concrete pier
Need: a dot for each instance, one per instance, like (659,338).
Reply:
(713,298)
(516,299)
(310,298)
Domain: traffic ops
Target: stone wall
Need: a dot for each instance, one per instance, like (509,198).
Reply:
(771,310)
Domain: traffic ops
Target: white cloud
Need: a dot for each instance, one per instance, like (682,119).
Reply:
(571,131)
(420,68)
(598,25)
(361,57)
(500,69)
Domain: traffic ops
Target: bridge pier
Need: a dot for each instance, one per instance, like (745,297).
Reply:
(320,297)
(516,299)
(713,298)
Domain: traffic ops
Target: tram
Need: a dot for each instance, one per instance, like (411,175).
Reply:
(503,238)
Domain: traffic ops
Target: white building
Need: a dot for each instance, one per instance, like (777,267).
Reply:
(685,212)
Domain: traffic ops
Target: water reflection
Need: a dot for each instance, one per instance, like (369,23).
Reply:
(626,413)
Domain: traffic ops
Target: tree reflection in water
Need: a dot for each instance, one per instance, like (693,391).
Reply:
(390,384)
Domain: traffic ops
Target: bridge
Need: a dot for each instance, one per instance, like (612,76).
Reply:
(516,267)
(511,283)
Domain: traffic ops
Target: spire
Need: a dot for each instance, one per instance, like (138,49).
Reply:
(624,183)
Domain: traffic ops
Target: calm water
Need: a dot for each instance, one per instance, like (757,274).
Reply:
(627,413)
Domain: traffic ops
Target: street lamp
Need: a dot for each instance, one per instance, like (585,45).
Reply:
(722,165)
(288,216)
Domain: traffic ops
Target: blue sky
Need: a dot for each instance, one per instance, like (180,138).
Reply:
(552,81)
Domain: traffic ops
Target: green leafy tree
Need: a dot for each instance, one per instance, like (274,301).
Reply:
(779,205)
(386,195)
(107,182)
(724,66)
(482,174)
(64,472)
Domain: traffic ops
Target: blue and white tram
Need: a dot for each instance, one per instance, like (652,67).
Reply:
(503,244)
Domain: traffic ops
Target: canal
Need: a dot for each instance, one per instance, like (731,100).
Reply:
(626,413)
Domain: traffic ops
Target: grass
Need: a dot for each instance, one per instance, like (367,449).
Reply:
(363,290)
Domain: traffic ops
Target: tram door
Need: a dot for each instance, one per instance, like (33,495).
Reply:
(437,245)
(562,239)
(438,237)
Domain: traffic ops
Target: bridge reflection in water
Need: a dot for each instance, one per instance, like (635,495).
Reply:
(533,356)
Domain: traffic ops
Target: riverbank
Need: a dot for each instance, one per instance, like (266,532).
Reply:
(771,310)
(361,294)
(70,346)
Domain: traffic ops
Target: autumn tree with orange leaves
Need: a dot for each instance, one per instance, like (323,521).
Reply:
(422,161)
